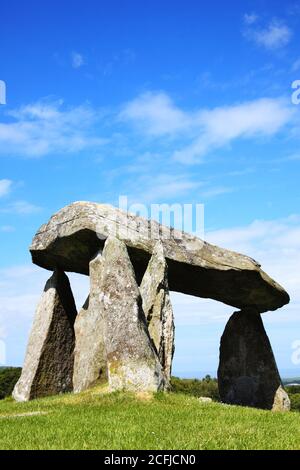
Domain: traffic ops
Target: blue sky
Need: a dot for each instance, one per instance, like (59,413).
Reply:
(166,102)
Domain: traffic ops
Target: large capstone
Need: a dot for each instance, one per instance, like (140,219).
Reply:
(158,309)
(132,361)
(76,233)
(48,367)
(248,373)
(90,356)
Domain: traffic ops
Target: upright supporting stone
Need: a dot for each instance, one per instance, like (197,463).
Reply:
(132,361)
(158,309)
(247,373)
(90,356)
(48,367)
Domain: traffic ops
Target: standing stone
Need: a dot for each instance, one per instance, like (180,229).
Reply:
(48,367)
(90,356)
(132,361)
(248,373)
(158,309)
(281,400)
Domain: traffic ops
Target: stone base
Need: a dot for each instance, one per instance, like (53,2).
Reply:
(158,309)
(247,373)
(48,367)
(90,356)
(132,361)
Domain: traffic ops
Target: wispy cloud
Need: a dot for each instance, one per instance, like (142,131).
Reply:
(7,228)
(42,128)
(156,114)
(163,187)
(274,243)
(216,191)
(275,35)
(204,130)
(5,187)
(250,18)
(221,126)
(20,208)
(77,60)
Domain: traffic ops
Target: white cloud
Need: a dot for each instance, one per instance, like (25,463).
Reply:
(216,191)
(7,228)
(205,130)
(77,60)
(220,126)
(47,127)
(250,18)
(164,187)
(156,114)
(274,243)
(274,36)
(5,187)
(20,208)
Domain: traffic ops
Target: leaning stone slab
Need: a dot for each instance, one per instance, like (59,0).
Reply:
(89,355)
(158,309)
(48,367)
(248,373)
(76,233)
(132,362)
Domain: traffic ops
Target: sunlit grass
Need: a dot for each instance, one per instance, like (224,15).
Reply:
(98,420)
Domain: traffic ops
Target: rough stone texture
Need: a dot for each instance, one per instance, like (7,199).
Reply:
(89,355)
(158,309)
(76,233)
(48,367)
(132,362)
(281,400)
(247,373)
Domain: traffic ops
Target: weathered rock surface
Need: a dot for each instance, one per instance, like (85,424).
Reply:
(158,309)
(48,367)
(132,362)
(281,400)
(89,355)
(76,233)
(248,373)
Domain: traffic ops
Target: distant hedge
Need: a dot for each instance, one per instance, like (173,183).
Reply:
(206,387)
(8,378)
(293,389)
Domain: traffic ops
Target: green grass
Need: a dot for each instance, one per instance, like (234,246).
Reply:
(97,420)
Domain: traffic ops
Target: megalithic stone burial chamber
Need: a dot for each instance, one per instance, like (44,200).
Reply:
(157,259)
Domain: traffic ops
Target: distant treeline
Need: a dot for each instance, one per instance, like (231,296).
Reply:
(8,378)
(294,394)
(207,387)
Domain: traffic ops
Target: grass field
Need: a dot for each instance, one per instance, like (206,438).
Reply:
(97,420)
